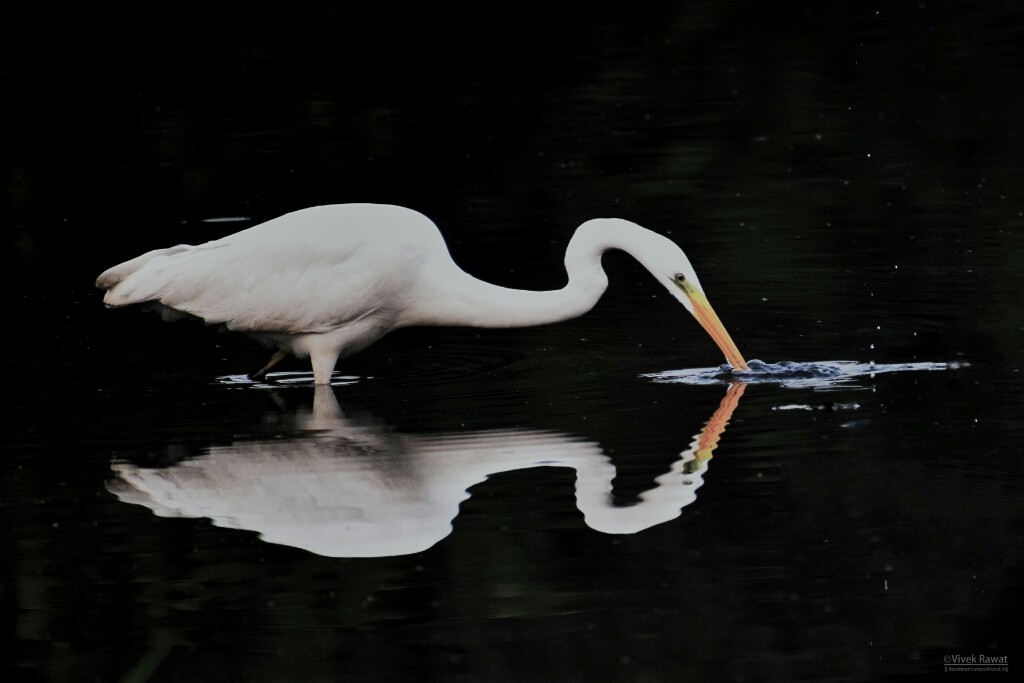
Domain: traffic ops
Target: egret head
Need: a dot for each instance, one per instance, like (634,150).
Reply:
(674,271)
(663,258)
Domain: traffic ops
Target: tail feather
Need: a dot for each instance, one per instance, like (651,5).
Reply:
(112,277)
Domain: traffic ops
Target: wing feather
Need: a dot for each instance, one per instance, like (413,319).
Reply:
(310,271)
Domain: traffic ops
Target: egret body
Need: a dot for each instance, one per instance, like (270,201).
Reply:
(328,281)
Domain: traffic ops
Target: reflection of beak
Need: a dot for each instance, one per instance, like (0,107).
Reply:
(708,319)
(715,427)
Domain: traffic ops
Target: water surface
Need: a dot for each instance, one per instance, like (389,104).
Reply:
(817,375)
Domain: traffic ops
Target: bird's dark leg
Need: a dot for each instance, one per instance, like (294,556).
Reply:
(274,360)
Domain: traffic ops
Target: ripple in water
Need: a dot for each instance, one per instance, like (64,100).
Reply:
(823,375)
(276,380)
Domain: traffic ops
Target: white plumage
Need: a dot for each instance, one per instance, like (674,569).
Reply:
(328,281)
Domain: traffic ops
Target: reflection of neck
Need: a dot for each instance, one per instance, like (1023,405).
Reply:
(675,489)
(472,458)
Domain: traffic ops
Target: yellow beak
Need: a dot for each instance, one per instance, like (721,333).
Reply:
(708,319)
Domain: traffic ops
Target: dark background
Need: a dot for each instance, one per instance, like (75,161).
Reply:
(209,112)
(844,176)
(854,124)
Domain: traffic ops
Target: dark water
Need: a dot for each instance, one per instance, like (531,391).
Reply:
(594,500)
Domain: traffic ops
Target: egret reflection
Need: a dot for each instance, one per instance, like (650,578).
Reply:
(351,486)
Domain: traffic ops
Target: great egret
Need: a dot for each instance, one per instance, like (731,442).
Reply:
(328,281)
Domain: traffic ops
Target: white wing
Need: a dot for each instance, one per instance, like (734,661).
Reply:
(308,271)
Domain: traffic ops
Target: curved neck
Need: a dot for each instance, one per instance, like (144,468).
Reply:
(449,296)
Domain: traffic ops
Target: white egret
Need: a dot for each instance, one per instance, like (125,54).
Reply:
(328,281)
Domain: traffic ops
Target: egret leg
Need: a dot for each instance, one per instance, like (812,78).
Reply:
(323,365)
(274,360)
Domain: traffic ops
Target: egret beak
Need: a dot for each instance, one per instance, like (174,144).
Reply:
(708,319)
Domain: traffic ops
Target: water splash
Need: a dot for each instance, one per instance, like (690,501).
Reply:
(822,376)
(276,380)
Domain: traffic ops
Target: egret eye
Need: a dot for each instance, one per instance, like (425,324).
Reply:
(680,278)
